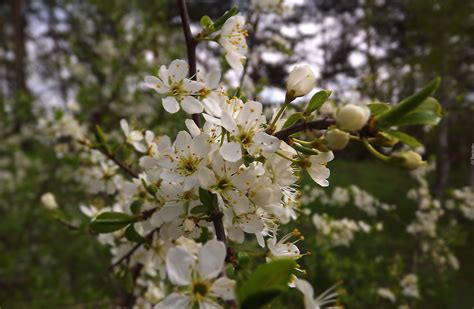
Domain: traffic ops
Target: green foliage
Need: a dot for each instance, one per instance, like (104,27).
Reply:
(265,283)
(317,101)
(292,119)
(409,111)
(108,222)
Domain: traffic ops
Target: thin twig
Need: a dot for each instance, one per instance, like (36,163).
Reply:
(119,163)
(190,46)
(127,255)
(303,126)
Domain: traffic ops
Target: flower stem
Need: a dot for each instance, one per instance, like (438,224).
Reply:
(374,151)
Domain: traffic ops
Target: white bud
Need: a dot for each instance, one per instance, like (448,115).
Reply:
(49,201)
(352,117)
(336,139)
(301,81)
(411,159)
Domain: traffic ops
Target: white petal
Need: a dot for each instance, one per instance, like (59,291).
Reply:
(192,127)
(231,151)
(208,304)
(224,288)
(191,105)
(229,123)
(323,157)
(308,292)
(211,119)
(179,264)
(267,142)
(211,259)
(151,81)
(170,105)
(178,70)
(212,107)
(213,78)
(235,60)
(183,140)
(174,301)
(125,127)
(192,86)
(157,84)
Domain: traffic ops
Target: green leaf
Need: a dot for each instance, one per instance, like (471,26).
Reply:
(431,105)
(100,135)
(207,198)
(206,22)
(292,120)
(220,22)
(378,108)
(136,206)
(132,235)
(201,209)
(265,283)
(417,118)
(317,101)
(205,235)
(404,138)
(108,222)
(407,105)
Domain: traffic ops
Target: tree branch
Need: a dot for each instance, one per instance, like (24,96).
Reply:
(303,126)
(190,46)
(113,158)
(127,255)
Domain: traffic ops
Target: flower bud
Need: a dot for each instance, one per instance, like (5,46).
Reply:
(301,81)
(49,201)
(352,117)
(336,139)
(408,159)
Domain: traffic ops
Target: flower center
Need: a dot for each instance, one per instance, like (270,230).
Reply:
(200,289)
(187,166)
(177,90)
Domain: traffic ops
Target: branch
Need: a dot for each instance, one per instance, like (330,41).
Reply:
(127,255)
(190,46)
(113,158)
(303,126)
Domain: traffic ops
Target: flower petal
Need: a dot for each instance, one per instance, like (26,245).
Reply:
(213,78)
(178,70)
(191,105)
(170,105)
(179,264)
(174,301)
(231,152)
(224,288)
(211,259)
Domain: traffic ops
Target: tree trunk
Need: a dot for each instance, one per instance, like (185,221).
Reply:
(20,51)
(443,166)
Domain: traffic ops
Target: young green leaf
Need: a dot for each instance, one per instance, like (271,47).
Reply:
(292,120)
(201,209)
(417,118)
(317,101)
(108,222)
(207,198)
(132,235)
(404,138)
(206,22)
(136,206)
(378,108)
(407,105)
(221,20)
(265,283)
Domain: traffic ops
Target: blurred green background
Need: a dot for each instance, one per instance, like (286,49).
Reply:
(54,53)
